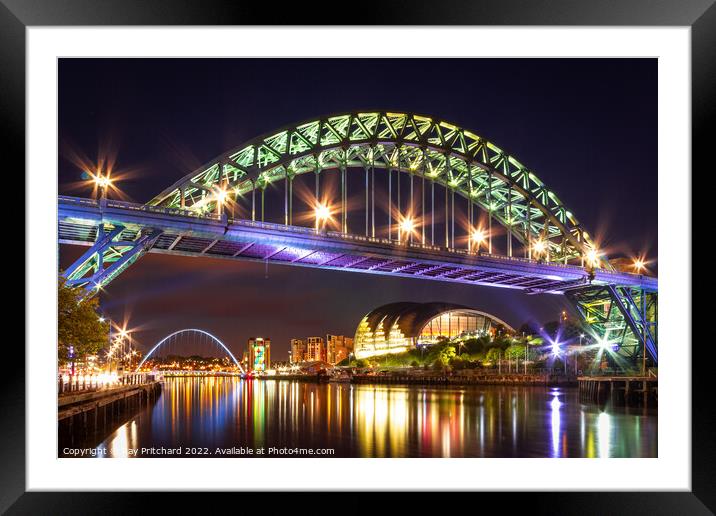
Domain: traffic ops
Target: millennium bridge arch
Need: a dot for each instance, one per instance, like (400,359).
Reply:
(195,331)
(516,232)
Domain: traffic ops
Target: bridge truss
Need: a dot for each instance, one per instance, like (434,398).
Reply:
(542,246)
(429,151)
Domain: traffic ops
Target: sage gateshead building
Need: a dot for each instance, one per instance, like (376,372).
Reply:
(398,327)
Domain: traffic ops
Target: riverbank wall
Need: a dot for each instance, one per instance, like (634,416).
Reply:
(621,390)
(85,417)
(486,379)
(310,378)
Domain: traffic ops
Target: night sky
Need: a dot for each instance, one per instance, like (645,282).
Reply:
(587,127)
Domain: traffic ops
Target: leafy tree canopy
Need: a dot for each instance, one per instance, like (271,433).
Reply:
(78,324)
(493,354)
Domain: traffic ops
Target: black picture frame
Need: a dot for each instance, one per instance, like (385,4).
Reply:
(16,15)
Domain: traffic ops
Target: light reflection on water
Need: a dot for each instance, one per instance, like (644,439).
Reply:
(385,421)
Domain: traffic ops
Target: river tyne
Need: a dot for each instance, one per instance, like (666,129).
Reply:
(230,417)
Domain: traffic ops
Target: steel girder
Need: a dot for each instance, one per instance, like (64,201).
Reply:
(187,233)
(116,248)
(455,158)
(622,319)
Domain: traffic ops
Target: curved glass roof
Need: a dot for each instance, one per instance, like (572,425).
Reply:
(412,317)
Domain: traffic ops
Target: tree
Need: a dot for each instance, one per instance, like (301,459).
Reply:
(78,324)
(493,355)
(529,328)
(446,354)
(459,363)
(515,351)
(476,345)
(438,365)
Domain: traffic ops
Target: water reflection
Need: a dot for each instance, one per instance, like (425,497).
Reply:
(381,421)
(555,421)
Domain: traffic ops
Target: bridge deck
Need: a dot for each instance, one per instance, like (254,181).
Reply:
(186,233)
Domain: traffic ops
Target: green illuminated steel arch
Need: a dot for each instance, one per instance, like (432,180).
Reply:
(453,157)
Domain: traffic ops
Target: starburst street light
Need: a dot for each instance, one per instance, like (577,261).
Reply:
(407,226)
(221,196)
(593,257)
(539,247)
(478,236)
(102,182)
(639,264)
(604,343)
(323,213)
(556,347)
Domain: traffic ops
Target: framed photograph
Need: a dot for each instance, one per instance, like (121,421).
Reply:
(424,257)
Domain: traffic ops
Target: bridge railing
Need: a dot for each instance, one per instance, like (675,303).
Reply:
(161,209)
(79,383)
(80,201)
(110,203)
(312,231)
(386,241)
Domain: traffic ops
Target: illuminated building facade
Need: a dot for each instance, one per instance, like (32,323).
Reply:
(398,327)
(259,354)
(315,349)
(298,351)
(338,347)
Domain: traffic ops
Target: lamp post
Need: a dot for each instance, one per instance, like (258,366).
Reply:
(71,356)
(102,182)
(323,213)
(478,237)
(407,226)
(109,339)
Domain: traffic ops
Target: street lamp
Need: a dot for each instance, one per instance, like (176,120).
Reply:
(323,213)
(221,197)
(639,264)
(593,257)
(539,247)
(557,351)
(555,348)
(407,226)
(603,343)
(478,236)
(102,182)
